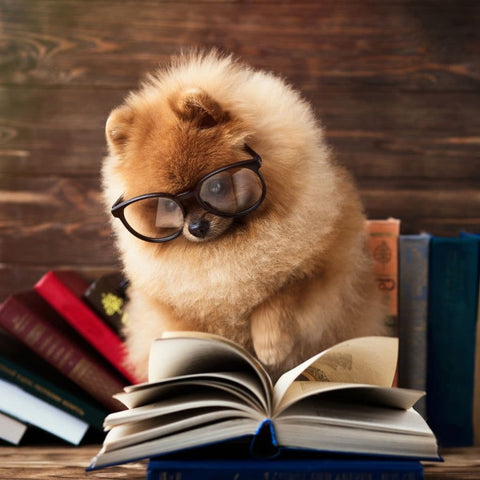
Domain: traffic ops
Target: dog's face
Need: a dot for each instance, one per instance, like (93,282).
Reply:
(171,147)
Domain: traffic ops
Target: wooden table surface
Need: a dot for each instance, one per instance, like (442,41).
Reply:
(63,463)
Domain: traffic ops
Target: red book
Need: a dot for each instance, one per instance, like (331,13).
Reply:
(63,290)
(31,319)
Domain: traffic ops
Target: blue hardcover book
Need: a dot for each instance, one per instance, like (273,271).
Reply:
(453,296)
(476,380)
(306,469)
(413,313)
(205,390)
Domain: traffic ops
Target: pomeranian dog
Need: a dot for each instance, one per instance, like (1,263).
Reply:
(232,217)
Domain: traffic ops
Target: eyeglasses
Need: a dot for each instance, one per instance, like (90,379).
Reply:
(231,191)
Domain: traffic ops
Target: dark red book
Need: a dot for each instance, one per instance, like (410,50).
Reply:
(63,290)
(28,317)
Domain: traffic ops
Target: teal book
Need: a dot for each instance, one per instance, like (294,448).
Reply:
(413,313)
(305,469)
(476,381)
(453,298)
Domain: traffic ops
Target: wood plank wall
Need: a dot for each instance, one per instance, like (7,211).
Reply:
(396,84)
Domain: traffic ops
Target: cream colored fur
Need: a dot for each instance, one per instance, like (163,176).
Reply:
(289,281)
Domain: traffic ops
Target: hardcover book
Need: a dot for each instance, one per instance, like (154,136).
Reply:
(21,366)
(382,241)
(476,379)
(30,319)
(204,389)
(413,313)
(107,297)
(453,296)
(308,469)
(63,290)
(27,408)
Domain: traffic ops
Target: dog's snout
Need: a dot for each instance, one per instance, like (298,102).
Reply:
(199,228)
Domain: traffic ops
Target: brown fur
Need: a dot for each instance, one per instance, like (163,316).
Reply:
(291,278)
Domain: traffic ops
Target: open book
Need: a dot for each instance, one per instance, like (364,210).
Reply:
(204,389)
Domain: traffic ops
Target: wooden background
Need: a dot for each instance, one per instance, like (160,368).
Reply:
(396,84)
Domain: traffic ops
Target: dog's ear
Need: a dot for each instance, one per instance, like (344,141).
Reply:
(196,106)
(117,128)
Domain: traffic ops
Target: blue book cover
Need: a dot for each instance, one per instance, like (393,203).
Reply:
(305,469)
(412,314)
(476,380)
(453,297)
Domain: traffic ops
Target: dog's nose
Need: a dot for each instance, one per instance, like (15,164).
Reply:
(199,228)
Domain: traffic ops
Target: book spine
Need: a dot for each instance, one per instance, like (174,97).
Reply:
(54,347)
(476,380)
(107,297)
(412,314)
(453,282)
(382,242)
(84,320)
(284,470)
(53,394)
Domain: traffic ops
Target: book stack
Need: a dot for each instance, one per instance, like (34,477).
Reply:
(334,416)
(438,321)
(60,361)
(430,286)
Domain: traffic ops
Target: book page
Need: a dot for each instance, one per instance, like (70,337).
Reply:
(372,417)
(353,392)
(364,360)
(203,435)
(137,432)
(193,401)
(210,384)
(171,356)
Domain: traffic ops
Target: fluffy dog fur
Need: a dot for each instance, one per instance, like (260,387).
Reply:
(289,279)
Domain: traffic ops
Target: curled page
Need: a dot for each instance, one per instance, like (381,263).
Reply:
(364,360)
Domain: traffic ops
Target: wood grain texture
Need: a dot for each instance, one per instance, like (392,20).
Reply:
(62,463)
(396,84)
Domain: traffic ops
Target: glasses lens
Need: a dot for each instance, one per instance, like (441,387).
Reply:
(232,191)
(156,217)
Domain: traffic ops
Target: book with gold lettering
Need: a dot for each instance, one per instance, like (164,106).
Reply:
(29,318)
(22,367)
(107,296)
(28,408)
(204,390)
(64,290)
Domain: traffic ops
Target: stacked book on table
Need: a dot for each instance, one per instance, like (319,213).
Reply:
(210,410)
(430,285)
(61,362)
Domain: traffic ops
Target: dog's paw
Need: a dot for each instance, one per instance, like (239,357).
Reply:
(271,345)
(272,355)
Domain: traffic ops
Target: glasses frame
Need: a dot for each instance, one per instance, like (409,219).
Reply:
(253,164)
